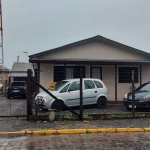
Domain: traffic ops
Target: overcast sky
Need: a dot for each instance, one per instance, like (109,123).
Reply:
(34,26)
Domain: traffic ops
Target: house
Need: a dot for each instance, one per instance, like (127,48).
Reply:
(98,57)
(3,74)
(19,71)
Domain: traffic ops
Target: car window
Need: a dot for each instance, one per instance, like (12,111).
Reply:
(17,83)
(60,84)
(144,87)
(65,89)
(98,84)
(89,84)
(74,86)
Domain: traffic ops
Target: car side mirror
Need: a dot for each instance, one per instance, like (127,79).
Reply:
(70,90)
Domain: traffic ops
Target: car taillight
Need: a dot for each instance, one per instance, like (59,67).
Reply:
(24,88)
(7,88)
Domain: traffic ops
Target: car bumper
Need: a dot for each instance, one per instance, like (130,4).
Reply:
(138,104)
(16,93)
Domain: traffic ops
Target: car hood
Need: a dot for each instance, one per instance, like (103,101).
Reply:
(43,94)
(138,94)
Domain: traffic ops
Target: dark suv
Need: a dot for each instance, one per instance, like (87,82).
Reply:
(142,97)
(17,88)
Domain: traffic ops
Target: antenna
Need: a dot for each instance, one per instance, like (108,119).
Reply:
(26,53)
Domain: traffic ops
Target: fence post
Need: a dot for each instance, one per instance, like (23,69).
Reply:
(81,95)
(133,95)
(29,94)
(5,85)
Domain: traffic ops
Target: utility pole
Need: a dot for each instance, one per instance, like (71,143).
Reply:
(1,44)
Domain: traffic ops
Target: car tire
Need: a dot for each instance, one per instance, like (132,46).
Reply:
(58,105)
(101,102)
(128,108)
(8,96)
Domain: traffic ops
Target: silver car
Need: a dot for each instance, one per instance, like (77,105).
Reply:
(68,92)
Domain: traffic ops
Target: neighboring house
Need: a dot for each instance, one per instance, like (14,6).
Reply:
(3,74)
(99,57)
(19,71)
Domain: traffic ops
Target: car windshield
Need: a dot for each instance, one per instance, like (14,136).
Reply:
(144,87)
(60,84)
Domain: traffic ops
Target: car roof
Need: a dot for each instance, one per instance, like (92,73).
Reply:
(19,81)
(77,79)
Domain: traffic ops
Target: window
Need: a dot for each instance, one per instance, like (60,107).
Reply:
(144,87)
(75,86)
(1,78)
(59,85)
(98,84)
(89,84)
(97,72)
(15,83)
(68,72)
(65,89)
(125,74)
(59,73)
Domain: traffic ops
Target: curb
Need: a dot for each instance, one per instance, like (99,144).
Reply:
(79,131)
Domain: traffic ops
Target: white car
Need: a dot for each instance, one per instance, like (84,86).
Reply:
(68,92)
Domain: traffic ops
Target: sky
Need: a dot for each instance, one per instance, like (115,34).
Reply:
(34,26)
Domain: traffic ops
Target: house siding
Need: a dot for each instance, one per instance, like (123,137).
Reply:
(108,74)
(46,75)
(145,73)
(96,51)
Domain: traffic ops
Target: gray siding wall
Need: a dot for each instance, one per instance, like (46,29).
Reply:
(46,75)
(145,73)
(97,51)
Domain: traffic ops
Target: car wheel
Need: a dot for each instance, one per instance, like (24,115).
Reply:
(101,102)
(58,105)
(8,96)
(128,108)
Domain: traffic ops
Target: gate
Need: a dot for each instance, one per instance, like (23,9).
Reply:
(30,96)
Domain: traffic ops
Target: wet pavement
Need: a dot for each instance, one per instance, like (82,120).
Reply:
(94,141)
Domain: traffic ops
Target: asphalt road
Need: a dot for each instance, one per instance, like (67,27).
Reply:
(94,141)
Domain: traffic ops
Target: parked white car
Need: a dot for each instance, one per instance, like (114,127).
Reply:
(68,92)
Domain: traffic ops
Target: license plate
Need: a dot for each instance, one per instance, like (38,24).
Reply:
(130,106)
(15,90)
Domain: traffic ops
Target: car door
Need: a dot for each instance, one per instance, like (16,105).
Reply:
(89,92)
(74,94)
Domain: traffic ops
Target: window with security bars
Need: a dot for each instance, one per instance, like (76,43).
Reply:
(125,74)
(68,72)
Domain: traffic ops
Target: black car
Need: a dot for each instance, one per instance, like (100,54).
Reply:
(17,88)
(142,97)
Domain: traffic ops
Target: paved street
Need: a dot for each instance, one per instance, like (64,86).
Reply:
(96,141)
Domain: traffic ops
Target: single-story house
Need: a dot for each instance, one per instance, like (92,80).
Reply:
(19,71)
(99,57)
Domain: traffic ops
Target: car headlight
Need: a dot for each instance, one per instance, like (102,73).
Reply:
(145,97)
(38,97)
(125,96)
(46,98)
